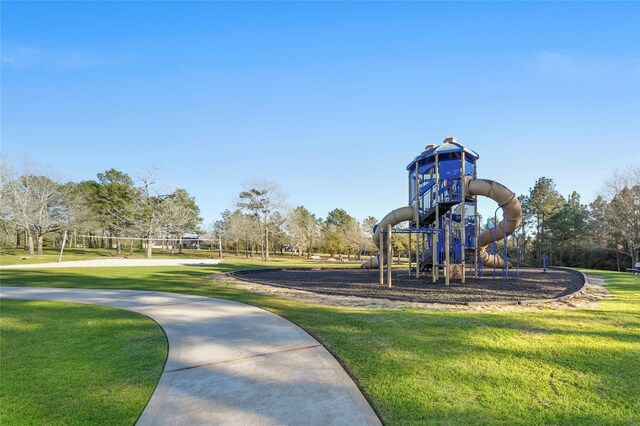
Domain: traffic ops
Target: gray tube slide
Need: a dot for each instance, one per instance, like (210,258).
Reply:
(393,218)
(512,216)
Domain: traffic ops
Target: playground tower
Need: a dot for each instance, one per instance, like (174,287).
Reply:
(443,216)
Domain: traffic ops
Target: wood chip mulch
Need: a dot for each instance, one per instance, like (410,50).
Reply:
(532,284)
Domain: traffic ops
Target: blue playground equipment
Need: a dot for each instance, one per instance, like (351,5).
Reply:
(443,217)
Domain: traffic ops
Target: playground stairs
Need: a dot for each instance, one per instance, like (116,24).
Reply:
(429,217)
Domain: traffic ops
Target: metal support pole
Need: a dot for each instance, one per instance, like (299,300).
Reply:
(434,256)
(416,218)
(389,255)
(64,241)
(495,238)
(410,187)
(477,224)
(437,189)
(420,247)
(463,234)
(381,257)
(409,252)
(418,256)
(505,263)
(475,236)
(446,254)
(437,236)
(517,261)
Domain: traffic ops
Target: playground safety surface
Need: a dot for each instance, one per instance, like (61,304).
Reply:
(532,284)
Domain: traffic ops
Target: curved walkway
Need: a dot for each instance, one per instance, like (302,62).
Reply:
(231,363)
(115,262)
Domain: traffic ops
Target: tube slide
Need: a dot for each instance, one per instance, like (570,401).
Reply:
(393,218)
(512,216)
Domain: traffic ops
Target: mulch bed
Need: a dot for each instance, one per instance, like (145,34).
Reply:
(532,284)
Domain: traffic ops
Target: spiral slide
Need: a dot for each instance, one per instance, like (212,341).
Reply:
(512,216)
(484,187)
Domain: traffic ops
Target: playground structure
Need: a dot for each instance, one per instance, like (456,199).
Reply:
(443,217)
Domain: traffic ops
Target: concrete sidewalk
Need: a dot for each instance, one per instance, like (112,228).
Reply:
(115,262)
(231,363)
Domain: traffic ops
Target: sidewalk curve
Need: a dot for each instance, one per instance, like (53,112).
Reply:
(231,363)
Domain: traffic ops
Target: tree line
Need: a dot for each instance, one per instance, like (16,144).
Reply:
(109,211)
(115,210)
(604,234)
(261,223)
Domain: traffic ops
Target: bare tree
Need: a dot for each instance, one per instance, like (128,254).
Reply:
(296,237)
(232,228)
(367,229)
(151,214)
(622,190)
(33,202)
(216,233)
(16,198)
(6,220)
(304,229)
(261,199)
(50,206)
(251,233)
(354,236)
(181,214)
(277,231)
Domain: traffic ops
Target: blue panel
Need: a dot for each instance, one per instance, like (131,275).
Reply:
(449,169)
(469,168)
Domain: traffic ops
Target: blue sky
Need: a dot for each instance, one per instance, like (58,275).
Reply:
(330,100)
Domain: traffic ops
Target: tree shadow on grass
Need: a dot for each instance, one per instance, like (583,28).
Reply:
(77,363)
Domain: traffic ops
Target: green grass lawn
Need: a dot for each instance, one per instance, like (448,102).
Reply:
(529,365)
(67,363)
(14,256)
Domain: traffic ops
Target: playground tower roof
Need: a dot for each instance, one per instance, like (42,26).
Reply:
(449,145)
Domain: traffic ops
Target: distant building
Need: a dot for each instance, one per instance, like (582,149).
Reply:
(187,243)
